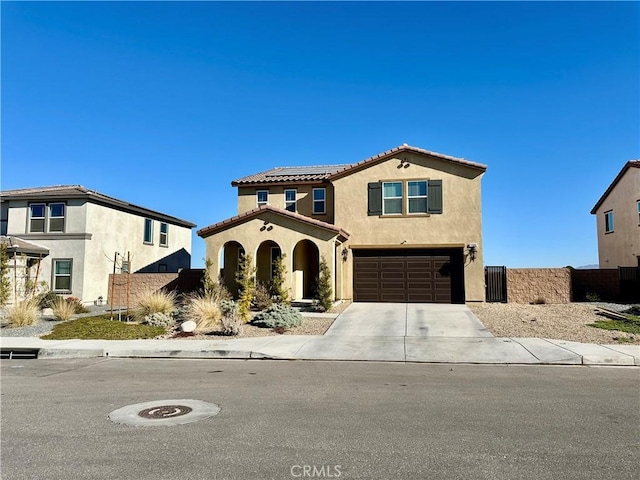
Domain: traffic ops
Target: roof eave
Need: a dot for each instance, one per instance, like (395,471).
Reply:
(627,166)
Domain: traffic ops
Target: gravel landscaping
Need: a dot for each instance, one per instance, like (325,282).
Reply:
(554,321)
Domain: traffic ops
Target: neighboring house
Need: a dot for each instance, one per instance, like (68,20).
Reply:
(83,230)
(24,263)
(618,219)
(401,226)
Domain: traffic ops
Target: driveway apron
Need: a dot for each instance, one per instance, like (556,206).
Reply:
(408,320)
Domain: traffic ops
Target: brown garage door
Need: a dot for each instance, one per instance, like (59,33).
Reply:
(406,276)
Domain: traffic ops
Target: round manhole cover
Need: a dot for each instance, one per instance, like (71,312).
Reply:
(164,413)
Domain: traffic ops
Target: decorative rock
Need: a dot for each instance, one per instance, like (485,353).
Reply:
(188,326)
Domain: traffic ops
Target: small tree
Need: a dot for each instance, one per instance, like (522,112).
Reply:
(278,291)
(208,283)
(324,291)
(5,282)
(247,284)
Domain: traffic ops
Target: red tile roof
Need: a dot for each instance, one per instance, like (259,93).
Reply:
(319,173)
(229,222)
(627,166)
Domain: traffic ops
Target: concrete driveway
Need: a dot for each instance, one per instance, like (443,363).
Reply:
(408,320)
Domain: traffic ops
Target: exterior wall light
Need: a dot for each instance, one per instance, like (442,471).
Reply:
(473,251)
(345,254)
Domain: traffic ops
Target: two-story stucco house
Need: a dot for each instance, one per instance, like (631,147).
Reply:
(83,230)
(618,219)
(401,226)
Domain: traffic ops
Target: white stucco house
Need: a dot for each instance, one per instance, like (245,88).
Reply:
(85,231)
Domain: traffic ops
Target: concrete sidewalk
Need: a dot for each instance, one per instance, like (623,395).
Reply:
(476,350)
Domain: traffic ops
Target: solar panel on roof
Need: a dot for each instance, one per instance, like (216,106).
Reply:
(312,170)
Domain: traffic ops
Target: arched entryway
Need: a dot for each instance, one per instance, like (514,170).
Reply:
(306,267)
(230,255)
(266,255)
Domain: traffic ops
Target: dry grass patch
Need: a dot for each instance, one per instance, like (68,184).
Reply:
(62,309)
(205,311)
(154,302)
(22,314)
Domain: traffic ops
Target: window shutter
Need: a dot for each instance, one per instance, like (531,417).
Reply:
(434,196)
(375,198)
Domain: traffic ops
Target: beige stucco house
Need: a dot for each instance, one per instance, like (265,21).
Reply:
(618,219)
(85,232)
(402,226)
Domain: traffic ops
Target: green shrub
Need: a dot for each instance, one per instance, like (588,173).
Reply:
(592,297)
(23,313)
(228,306)
(47,299)
(62,309)
(78,307)
(5,282)
(278,316)
(160,319)
(246,281)
(261,297)
(276,286)
(324,291)
(231,323)
(154,302)
(212,288)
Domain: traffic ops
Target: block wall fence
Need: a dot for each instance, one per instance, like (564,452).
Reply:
(138,284)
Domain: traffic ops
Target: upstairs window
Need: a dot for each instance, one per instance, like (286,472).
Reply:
(392,198)
(608,222)
(47,218)
(417,196)
(164,235)
(56,217)
(148,231)
(319,201)
(638,205)
(262,197)
(290,200)
(37,214)
(406,197)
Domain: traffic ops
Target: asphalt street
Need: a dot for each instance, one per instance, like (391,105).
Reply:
(291,419)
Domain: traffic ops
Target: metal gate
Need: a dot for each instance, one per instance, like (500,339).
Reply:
(629,283)
(495,279)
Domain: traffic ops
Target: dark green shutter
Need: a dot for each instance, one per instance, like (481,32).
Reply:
(375,198)
(434,196)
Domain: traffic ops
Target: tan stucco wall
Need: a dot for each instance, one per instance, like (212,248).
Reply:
(247,199)
(621,247)
(285,232)
(458,225)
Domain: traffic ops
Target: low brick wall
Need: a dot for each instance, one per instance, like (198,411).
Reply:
(140,283)
(528,285)
(137,285)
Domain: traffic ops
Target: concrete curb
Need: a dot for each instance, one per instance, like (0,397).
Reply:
(470,350)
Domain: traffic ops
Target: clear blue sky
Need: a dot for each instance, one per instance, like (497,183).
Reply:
(163,104)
